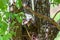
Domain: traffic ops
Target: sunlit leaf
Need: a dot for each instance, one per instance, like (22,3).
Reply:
(3,4)
(19,3)
(3,27)
(19,19)
(1,38)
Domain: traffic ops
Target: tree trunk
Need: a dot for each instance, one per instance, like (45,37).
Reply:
(44,28)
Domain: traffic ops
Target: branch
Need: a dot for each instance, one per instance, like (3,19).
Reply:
(28,33)
(43,17)
(56,14)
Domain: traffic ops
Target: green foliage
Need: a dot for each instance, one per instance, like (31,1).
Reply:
(4,17)
(3,27)
(0,18)
(19,17)
(55,1)
(3,4)
(4,34)
(19,3)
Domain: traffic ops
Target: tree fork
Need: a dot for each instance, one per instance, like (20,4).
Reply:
(43,17)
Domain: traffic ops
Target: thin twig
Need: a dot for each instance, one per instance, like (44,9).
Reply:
(56,14)
(28,33)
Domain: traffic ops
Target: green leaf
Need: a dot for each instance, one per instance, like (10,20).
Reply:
(1,38)
(12,16)
(13,33)
(12,24)
(7,15)
(19,19)
(15,15)
(19,3)
(56,1)
(21,14)
(3,4)
(3,27)
(0,18)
